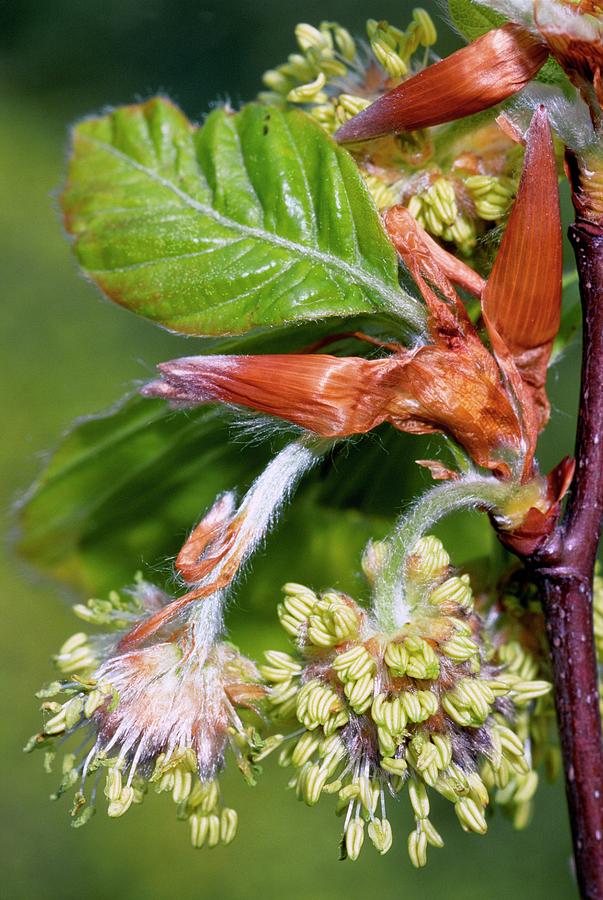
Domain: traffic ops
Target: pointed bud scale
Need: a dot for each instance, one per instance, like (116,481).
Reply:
(522,300)
(399,222)
(330,396)
(455,389)
(478,76)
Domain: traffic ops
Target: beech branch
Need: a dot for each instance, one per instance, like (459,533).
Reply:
(564,570)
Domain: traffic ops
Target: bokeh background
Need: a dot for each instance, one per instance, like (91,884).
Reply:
(67,352)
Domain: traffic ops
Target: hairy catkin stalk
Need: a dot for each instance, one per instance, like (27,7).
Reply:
(471,492)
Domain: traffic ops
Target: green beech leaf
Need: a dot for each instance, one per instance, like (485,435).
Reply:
(471,20)
(255,219)
(123,489)
(552,73)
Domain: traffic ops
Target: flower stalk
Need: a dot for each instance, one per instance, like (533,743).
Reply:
(470,492)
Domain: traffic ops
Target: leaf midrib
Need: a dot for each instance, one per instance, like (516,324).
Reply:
(397,302)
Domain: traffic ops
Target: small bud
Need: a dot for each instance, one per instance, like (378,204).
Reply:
(431,833)
(113,784)
(396,658)
(229,822)
(455,590)
(426,32)
(394,766)
(417,848)
(442,198)
(345,42)
(279,83)
(527,785)
(122,804)
(305,748)
(354,664)
(411,706)
(525,691)
(183,783)
(281,667)
(470,815)
(360,693)
(310,38)
(387,743)
(383,44)
(429,559)
(354,838)
(380,833)
(443,745)
(199,825)
(459,648)
(418,798)
(314,779)
(56,725)
(308,92)
(213,830)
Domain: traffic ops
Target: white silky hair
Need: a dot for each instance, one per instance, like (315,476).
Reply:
(550,15)
(569,116)
(267,495)
(206,624)
(258,511)
(167,704)
(520,11)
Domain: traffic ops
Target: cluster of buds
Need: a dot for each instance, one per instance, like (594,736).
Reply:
(333,79)
(331,61)
(161,715)
(518,640)
(425,707)
(454,207)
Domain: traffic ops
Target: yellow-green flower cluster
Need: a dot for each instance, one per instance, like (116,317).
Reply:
(334,78)
(519,644)
(422,709)
(451,207)
(162,716)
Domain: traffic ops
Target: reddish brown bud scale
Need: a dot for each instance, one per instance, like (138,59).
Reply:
(399,222)
(539,524)
(521,303)
(330,396)
(207,534)
(478,76)
(452,387)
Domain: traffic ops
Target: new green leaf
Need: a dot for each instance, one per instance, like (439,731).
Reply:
(123,489)
(472,21)
(255,219)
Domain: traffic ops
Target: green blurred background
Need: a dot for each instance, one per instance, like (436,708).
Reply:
(67,352)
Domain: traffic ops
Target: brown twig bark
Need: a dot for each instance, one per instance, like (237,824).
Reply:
(564,569)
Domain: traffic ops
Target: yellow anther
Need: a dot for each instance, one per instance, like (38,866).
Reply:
(427,33)
(305,93)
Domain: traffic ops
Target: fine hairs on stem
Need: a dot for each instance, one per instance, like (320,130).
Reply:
(257,512)
(470,492)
